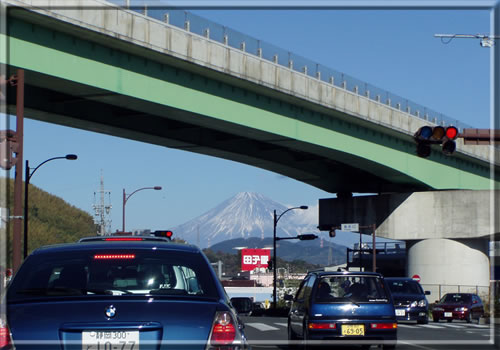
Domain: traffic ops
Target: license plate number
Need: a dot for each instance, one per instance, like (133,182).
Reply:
(110,340)
(353,329)
(400,312)
(448,314)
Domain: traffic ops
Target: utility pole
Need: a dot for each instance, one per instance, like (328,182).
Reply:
(18,180)
(102,211)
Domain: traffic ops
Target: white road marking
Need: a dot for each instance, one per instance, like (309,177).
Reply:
(443,325)
(281,324)
(453,325)
(405,325)
(479,325)
(261,326)
(430,326)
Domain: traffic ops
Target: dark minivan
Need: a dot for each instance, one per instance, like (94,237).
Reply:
(409,299)
(342,308)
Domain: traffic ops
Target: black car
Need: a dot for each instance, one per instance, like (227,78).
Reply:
(409,298)
(338,308)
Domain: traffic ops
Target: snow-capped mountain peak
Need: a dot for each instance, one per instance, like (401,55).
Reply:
(246,214)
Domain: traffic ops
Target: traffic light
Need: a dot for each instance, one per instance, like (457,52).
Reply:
(428,135)
(8,149)
(167,234)
(307,237)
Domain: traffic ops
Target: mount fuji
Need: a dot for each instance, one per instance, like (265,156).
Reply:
(246,215)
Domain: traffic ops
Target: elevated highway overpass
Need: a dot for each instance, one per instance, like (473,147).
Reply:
(93,65)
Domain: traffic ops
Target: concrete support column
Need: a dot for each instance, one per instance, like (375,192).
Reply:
(449,262)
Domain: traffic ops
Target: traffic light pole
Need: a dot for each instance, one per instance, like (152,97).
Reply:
(18,180)
(275,223)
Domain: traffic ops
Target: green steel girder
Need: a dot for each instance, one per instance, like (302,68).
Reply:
(101,86)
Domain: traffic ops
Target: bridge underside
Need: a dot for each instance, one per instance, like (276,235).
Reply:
(105,85)
(74,105)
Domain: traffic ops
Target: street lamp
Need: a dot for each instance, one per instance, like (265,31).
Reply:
(27,177)
(276,219)
(126,198)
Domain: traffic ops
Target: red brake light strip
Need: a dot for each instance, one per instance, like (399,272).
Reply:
(123,239)
(113,256)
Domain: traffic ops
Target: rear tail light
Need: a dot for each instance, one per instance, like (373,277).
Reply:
(223,330)
(384,325)
(322,325)
(5,339)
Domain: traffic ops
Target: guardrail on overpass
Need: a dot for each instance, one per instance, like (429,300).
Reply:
(235,39)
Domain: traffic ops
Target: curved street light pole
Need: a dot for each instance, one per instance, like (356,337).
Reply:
(27,177)
(276,219)
(126,198)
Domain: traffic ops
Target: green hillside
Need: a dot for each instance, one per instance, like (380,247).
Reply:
(51,219)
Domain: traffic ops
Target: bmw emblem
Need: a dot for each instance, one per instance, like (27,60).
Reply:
(110,311)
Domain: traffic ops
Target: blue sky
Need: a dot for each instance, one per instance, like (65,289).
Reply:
(394,50)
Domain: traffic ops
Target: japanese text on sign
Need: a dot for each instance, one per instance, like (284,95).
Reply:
(254,258)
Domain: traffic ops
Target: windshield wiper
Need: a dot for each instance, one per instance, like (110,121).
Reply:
(348,297)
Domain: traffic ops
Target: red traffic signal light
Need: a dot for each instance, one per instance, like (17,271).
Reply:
(164,233)
(427,135)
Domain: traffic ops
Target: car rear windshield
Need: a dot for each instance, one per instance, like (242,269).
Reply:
(456,298)
(114,272)
(405,287)
(344,288)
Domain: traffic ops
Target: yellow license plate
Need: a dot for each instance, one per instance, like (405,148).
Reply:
(353,329)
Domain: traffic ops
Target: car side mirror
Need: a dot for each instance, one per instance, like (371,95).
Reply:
(288,297)
(427,292)
(437,301)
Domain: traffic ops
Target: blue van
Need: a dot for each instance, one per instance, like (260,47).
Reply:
(343,308)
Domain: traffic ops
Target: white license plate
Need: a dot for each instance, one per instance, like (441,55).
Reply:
(448,314)
(400,312)
(110,340)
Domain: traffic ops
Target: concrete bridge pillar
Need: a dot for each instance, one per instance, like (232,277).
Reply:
(445,264)
(447,233)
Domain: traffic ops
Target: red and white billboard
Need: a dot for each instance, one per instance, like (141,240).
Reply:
(254,258)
